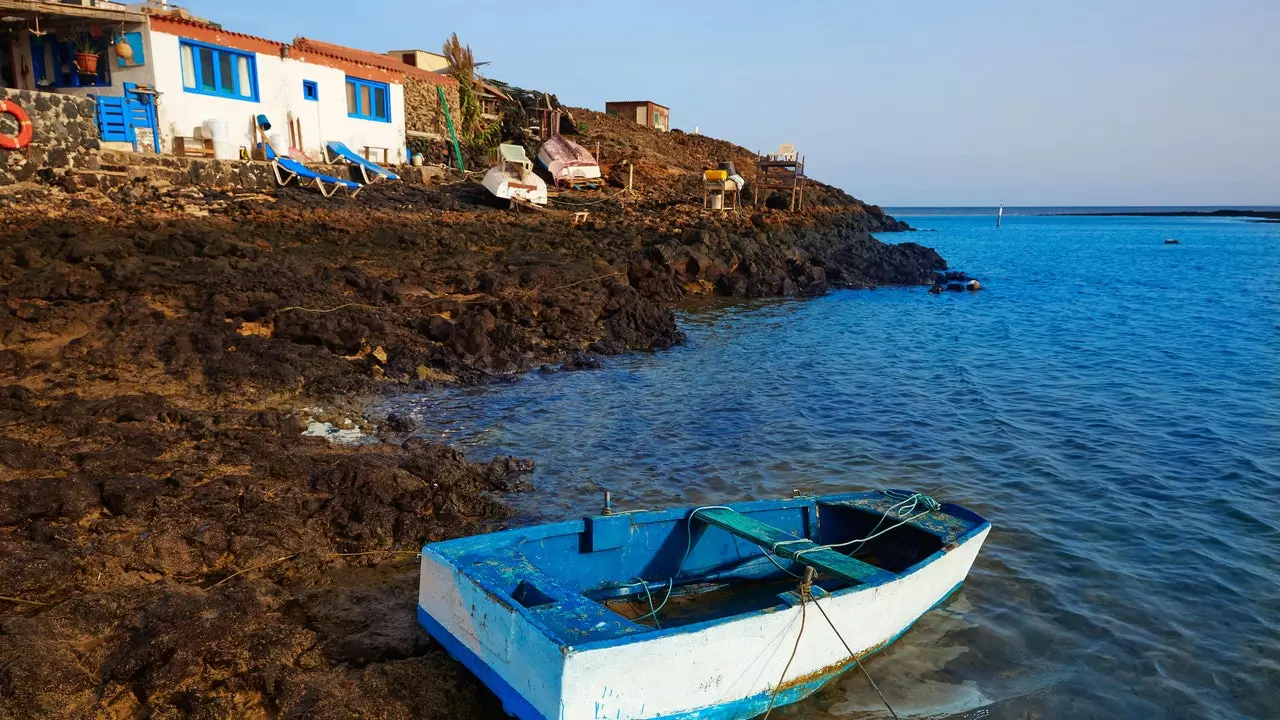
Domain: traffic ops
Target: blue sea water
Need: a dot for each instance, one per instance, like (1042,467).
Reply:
(1109,402)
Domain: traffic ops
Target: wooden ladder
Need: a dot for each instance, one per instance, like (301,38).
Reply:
(797,549)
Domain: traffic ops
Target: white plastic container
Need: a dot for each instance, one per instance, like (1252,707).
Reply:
(218,131)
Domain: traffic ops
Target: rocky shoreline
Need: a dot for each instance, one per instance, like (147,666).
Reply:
(174,547)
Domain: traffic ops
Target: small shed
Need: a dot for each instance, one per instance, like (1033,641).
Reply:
(491,101)
(645,112)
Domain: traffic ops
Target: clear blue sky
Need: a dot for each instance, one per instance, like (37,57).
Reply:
(900,102)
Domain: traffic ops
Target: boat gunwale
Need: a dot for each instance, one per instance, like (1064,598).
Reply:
(452,552)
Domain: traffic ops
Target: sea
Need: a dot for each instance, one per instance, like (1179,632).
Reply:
(1110,402)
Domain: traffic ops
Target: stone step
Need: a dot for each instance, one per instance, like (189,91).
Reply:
(77,180)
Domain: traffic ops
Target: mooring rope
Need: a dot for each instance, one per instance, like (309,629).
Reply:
(857,661)
(806,589)
(904,509)
(671,581)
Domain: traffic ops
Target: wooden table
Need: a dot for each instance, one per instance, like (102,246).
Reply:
(723,188)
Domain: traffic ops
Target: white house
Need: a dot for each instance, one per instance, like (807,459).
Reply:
(334,92)
(188,72)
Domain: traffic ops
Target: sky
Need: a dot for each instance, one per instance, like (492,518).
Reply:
(899,102)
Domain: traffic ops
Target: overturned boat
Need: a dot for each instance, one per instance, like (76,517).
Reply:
(513,177)
(569,163)
(692,613)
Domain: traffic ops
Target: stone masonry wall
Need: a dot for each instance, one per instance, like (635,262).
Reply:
(422,106)
(117,168)
(65,136)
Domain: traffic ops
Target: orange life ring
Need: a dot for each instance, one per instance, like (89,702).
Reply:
(23,138)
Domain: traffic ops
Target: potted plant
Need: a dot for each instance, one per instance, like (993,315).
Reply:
(87,55)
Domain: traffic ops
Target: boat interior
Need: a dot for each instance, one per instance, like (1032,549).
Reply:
(610,576)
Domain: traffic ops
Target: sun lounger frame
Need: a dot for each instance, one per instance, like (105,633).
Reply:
(334,183)
(371,171)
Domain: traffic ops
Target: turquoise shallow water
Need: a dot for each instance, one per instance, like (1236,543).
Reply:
(1111,403)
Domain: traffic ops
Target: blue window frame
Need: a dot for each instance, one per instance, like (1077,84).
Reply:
(310,90)
(53,62)
(222,72)
(368,100)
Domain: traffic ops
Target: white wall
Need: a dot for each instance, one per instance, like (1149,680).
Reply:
(280,97)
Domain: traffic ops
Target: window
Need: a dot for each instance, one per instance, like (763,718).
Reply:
(368,100)
(53,62)
(310,90)
(213,70)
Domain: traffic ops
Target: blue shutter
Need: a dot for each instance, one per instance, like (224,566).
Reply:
(113,120)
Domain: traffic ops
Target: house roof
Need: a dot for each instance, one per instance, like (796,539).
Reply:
(205,32)
(636,102)
(370,59)
(366,64)
(490,88)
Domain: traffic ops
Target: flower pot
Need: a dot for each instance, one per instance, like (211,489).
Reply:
(87,63)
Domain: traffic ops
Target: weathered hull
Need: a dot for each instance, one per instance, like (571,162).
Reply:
(529,188)
(724,668)
(567,161)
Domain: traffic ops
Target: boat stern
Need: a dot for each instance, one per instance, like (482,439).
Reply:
(483,630)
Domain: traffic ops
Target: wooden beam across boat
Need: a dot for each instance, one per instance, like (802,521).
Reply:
(797,549)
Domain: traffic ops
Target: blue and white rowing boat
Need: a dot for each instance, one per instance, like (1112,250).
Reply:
(692,613)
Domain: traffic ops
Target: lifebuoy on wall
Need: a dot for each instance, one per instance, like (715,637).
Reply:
(23,138)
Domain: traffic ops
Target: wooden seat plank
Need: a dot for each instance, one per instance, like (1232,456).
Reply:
(797,549)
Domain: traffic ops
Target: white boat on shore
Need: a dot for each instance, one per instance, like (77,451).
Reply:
(513,177)
(568,162)
(692,614)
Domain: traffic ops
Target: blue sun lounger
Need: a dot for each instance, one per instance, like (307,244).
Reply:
(287,170)
(370,170)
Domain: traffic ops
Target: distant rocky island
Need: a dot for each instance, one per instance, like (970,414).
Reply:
(1258,215)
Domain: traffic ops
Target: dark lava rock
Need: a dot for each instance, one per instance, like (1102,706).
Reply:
(583,361)
(400,423)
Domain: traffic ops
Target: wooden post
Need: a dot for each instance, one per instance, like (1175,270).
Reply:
(631,168)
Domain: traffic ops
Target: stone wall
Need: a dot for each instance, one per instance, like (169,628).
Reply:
(117,168)
(422,106)
(65,136)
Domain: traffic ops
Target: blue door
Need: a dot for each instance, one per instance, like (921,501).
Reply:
(120,117)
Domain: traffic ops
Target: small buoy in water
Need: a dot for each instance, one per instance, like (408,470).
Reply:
(1170,241)
(973,285)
